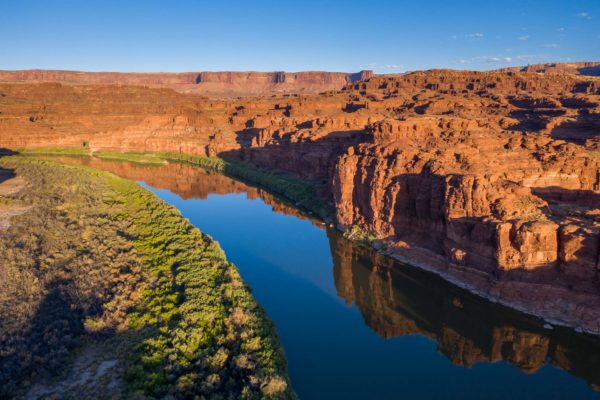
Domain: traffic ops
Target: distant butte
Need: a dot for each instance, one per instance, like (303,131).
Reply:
(576,68)
(211,84)
(230,84)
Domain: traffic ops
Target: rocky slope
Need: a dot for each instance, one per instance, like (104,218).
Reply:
(213,84)
(491,179)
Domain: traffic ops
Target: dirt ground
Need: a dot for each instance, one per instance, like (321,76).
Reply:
(10,184)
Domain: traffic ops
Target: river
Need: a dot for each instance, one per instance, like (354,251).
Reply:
(357,325)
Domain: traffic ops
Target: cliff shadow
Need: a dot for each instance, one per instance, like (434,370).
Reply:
(40,347)
(578,130)
(589,71)
(557,195)
(308,159)
(344,138)
(6,174)
(533,120)
(7,152)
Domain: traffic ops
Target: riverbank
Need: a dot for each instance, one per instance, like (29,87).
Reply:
(304,194)
(98,262)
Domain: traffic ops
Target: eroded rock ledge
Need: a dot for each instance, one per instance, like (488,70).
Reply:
(490,178)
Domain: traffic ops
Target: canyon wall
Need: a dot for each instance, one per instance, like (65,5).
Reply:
(480,170)
(471,174)
(212,84)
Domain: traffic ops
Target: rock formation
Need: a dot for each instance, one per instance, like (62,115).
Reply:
(492,179)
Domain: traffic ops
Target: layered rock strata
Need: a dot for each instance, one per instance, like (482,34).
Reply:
(213,84)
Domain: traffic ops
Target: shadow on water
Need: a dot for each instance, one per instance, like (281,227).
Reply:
(397,301)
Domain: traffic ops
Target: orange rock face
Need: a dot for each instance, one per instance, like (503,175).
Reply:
(492,159)
(495,173)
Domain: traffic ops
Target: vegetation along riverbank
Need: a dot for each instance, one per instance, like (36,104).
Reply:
(108,291)
(305,194)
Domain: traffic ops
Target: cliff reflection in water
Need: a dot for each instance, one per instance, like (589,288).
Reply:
(397,300)
(187,181)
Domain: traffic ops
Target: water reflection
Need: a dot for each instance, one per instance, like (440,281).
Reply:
(398,300)
(187,181)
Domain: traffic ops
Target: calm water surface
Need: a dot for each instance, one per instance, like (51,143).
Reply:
(356,325)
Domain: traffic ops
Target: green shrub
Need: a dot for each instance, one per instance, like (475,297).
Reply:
(128,267)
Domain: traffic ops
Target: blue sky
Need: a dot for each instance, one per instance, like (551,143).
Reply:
(387,36)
